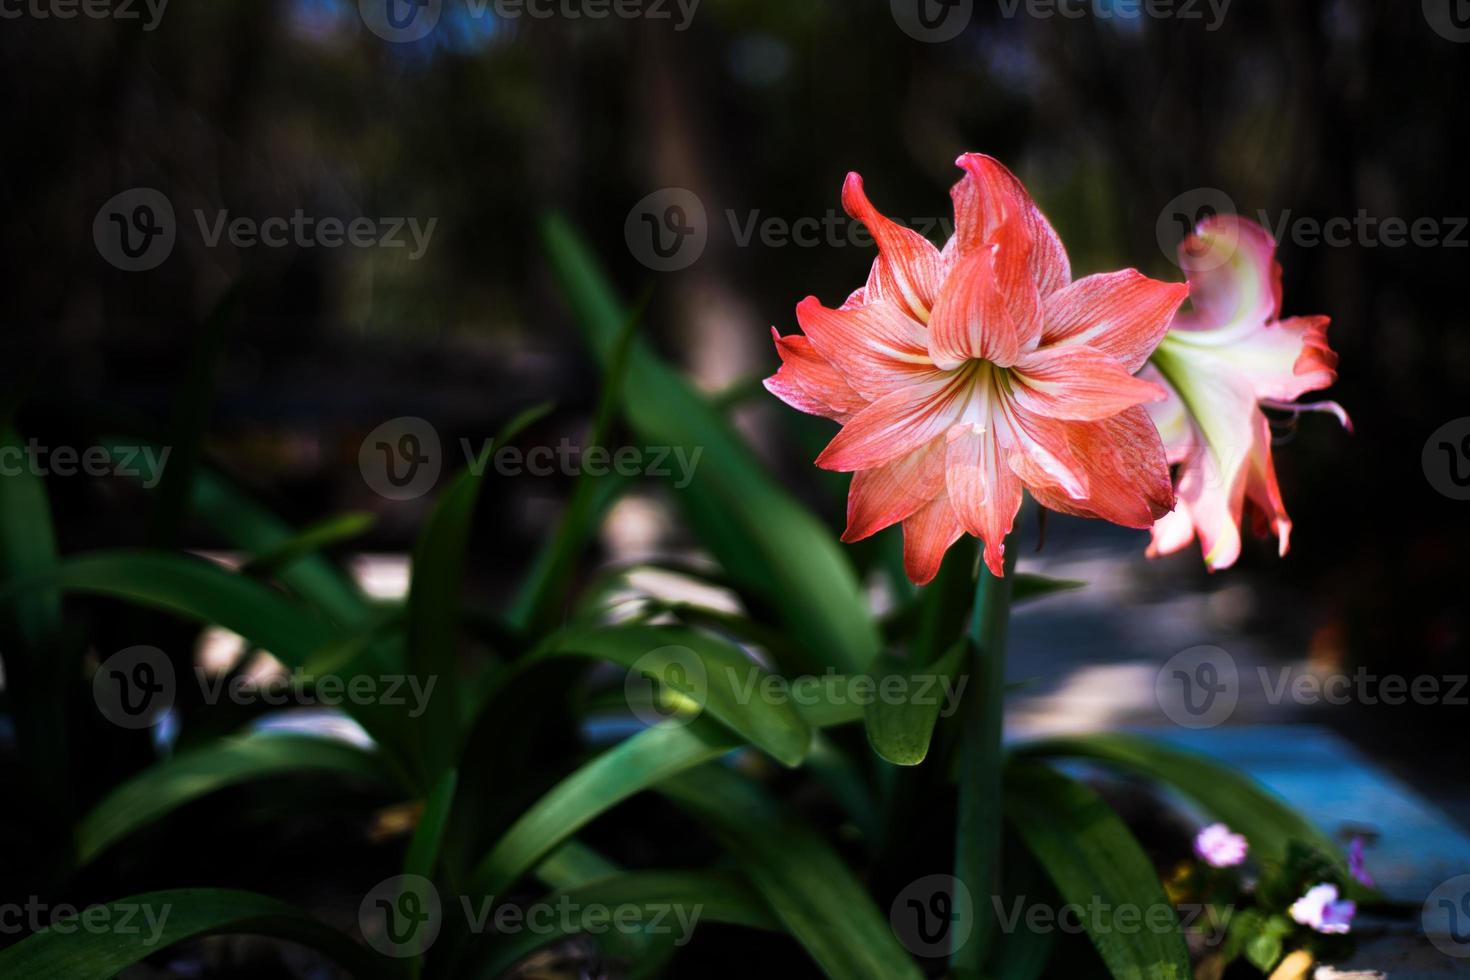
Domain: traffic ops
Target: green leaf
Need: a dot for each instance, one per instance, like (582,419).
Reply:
(1028,586)
(39,665)
(767,542)
(252,528)
(814,894)
(202,591)
(700,896)
(631,766)
(544,593)
(1098,867)
(428,837)
(711,673)
(318,537)
(154,921)
(900,731)
(1226,794)
(163,788)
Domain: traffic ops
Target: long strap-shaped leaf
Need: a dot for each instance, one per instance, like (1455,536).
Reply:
(204,592)
(1097,865)
(1268,823)
(629,767)
(775,548)
(142,925)
(201,591)
(814,894)
(250,527)
(39,667)
(160,790)
(685,898)
(714,673)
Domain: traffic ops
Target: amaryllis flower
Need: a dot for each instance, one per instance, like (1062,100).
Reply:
(1223,359)
(1219,847)
(1320,909)
(961,376)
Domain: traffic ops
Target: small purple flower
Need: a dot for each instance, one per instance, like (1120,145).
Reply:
(1356,864)
(1218,847)
(1320,909)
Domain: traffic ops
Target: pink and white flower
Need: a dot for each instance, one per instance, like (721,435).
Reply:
(963,375)
(1222,360)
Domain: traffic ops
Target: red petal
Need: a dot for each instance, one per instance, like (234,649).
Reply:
(909,270)
(894,425)
(876,347)
(983,490)
(927,535)
(1125,314)
(1078,383)
(985,196)
(1128,479)
(972,318)
(808,383)
(888,494)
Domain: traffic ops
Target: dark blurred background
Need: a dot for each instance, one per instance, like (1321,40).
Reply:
(1116,120)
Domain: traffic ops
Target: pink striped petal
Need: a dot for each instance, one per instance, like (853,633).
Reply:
(1124,314)
(876,347)
(986,195)
(983,489)
(972,318)
(908,270)
(1127,477)
(1233,274)
(808,383)
(890,493)
(894,425)
(1078,383)
(927,535)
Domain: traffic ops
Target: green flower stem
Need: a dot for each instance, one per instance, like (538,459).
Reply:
(978,822)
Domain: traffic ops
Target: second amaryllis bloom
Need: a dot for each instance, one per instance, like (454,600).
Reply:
(962,375)
(1223,359)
